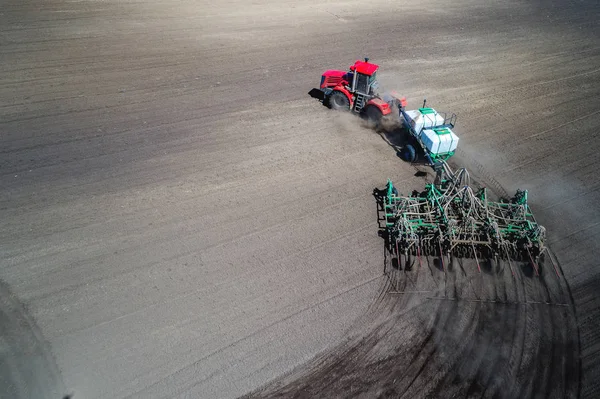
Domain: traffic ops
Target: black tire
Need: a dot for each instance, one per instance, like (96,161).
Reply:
(373,116)
(409,154)
(338,101)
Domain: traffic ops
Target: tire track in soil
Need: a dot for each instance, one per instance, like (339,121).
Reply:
(536,380)
(519,338)
(469,363)
(554,381)
(429,346)
(425,351)
(345,360)
(335,369)
(547,323)
(557,350)
(488,377)
(29,369)
(542,375)
(573,354)
(498,348)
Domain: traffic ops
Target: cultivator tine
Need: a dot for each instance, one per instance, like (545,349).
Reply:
(442,257)
(476,260)
(553,264)
(398,254)
(535,267)
(506,251)
(512,270)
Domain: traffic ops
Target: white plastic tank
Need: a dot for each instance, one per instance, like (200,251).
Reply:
(439,140)
(413,119)
(424,118)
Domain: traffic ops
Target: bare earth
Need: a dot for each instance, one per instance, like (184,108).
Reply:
(180,219)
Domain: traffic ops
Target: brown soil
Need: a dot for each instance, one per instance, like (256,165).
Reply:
(180,219)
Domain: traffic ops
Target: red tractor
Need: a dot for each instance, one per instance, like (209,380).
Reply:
(356,90)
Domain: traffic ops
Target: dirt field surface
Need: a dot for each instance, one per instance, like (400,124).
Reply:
(180,219)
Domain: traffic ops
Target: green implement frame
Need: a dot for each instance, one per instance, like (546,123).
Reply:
(451,218)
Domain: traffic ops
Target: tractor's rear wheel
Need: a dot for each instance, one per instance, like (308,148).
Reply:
(409,154)
(373,116)
(338,101)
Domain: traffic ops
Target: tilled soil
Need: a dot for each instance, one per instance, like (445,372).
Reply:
(453,332)
(180,219)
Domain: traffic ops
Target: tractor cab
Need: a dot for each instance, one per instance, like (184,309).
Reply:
(364,78)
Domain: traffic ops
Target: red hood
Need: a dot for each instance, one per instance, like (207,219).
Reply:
(332,78)
(336,73)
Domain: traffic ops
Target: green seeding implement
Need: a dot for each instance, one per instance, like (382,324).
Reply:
(450,218)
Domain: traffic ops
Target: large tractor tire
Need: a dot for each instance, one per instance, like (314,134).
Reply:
(373,116)
(338,101)
(409,154)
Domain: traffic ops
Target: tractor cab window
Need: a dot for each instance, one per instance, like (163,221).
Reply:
(373,78)
(348,77)
(362,84)
(373,84)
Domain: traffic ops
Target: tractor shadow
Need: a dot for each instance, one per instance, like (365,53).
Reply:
(317,94)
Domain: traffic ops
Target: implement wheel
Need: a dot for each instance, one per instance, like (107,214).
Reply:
(408,153)
(338,101)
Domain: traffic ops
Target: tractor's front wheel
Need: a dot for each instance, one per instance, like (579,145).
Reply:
(373,116)
(338,101)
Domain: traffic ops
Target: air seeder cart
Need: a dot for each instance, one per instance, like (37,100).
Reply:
(430,135)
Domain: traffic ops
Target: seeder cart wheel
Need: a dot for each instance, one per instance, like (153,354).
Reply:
(409,154)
